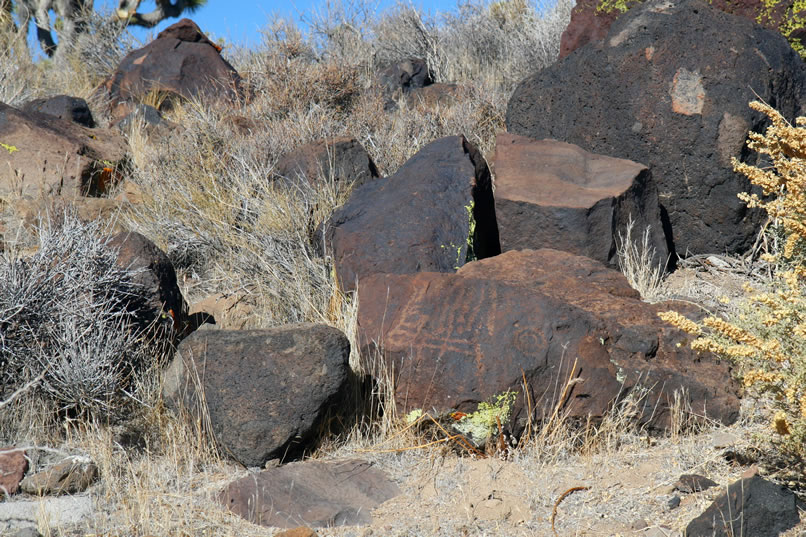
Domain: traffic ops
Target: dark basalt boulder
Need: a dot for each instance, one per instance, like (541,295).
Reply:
(669,88)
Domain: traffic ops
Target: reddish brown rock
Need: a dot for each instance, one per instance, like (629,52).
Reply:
(43,155)
(181,61)
(315,493)
(160,304)
(434,214)
(669,88)
(550,194)
(342,160)
(69,476)
(13,466)
(268,393)
(454,340)
(65,107)
(590,22)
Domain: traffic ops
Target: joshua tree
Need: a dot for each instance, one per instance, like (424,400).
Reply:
(72,14)
(69,11)
(127,11)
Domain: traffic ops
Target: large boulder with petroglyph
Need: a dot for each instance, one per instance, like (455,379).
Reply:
(436,213)
(551,194)
(669,87)
(540,319)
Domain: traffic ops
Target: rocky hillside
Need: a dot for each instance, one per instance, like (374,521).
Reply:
(396,275)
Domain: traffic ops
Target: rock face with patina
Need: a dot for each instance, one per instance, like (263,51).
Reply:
(342,160)
(268,393)
(66,107)
(314,493)
(551,194)
(591,19)
(159,305)
(44,155)
(434,214)
(180,61)
(757,507)
(669,88)
(543,316)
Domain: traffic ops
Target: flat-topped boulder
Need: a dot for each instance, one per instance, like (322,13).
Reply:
(551,194)
(314,493)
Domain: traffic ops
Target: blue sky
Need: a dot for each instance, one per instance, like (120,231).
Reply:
(239,21)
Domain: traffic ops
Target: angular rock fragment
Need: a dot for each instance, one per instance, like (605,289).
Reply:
(434,214)
(752,506)
(314,493)
(550,194)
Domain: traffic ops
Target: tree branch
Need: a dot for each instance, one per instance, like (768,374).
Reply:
(164,10)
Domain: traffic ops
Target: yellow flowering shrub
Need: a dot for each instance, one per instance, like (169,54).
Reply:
(766,339)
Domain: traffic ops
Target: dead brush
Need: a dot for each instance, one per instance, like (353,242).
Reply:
(636,259)
(288,75)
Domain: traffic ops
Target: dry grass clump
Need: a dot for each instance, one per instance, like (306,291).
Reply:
(637,263)
(502,42)
(767,338)
(210,201)
(16,70)
(287,74)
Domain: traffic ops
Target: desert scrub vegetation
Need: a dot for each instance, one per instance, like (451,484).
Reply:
(638,262)
(69,333)
(766,337)
(77,71)
(212,202)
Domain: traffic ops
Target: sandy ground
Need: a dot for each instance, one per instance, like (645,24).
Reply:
(627,491)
